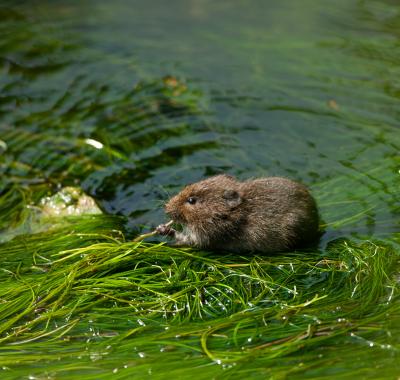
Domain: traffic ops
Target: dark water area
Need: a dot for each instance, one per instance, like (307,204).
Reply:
(299,89)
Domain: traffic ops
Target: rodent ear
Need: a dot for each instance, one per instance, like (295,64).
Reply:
(232,197)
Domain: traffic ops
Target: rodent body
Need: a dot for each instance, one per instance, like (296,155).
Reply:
(221,213)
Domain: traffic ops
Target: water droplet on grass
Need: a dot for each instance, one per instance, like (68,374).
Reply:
(94,143)
(94,356)
(3,145)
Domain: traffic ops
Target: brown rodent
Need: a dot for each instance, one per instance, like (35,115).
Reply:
(220,213)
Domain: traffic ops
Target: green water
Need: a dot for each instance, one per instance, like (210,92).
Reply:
(174,92)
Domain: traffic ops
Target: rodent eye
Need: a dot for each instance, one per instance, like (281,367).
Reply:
(191,200)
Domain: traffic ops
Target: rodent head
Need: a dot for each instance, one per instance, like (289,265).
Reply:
(207,205)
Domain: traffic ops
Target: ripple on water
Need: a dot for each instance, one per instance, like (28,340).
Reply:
(321,108)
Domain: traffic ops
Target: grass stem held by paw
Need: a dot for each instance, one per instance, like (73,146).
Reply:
(150,234)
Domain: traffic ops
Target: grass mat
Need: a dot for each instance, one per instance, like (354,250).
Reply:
(78,299)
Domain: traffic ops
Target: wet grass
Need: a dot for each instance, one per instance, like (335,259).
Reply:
(76,298)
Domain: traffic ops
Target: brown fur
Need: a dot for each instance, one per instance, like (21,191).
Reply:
(267,214)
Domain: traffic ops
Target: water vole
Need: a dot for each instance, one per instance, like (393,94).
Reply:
(221,213)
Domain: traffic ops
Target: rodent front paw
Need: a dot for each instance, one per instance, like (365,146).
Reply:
(165,230)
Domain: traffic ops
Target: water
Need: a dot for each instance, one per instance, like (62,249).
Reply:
(308,91)
(179,91)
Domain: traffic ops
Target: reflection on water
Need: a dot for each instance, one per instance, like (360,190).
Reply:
(177,93)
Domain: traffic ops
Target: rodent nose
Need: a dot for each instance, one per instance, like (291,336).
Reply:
(169,209)
(172,210)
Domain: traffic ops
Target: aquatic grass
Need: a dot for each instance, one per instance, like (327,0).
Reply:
(140,297)
(78,285)
(341,206)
